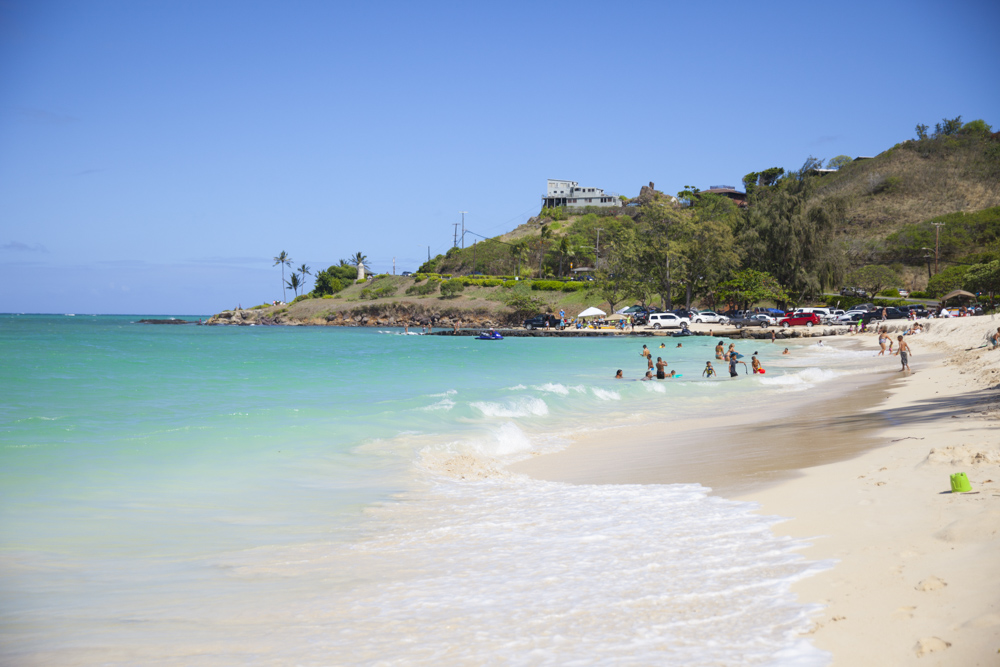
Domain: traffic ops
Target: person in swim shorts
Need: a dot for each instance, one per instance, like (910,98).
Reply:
(904,352)
(755,364)
(661,368)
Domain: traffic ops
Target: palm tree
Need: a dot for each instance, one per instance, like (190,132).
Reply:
(303,272)
(293,283)
(283,259)
(519,249)
(565,252)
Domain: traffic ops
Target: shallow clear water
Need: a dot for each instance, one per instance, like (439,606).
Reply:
(195,495)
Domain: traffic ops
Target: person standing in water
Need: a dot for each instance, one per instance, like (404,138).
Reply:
(661,368)
(883,338)
(709,371)
(904,352)
(755,364)
(718,350)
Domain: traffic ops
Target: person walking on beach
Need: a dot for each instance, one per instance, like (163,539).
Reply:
(661,368)
(995,339)
(904,353)
(709,371)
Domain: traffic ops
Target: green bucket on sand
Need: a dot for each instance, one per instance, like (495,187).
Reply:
(960,483)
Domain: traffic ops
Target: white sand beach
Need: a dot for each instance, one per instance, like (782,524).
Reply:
(916,578)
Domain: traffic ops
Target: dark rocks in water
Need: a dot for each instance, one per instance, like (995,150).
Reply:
(166,322)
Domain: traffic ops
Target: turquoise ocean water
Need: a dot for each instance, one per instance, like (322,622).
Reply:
(305,495)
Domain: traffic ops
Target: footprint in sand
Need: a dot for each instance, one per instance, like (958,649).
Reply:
(930,645)
(904,612)
(930,584)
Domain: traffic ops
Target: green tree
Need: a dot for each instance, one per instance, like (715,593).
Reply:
(839,162)
(977,127)
(304,271)
(873,277)
(948,127)
(749,287)
(947,280)
(921,131)
(452,288)
(284,260)
(983,278)
(707,245)
(793,240)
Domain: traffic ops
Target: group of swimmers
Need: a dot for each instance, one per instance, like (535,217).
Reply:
(731,356)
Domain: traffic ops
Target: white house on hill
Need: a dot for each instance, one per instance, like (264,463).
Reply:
(570,194)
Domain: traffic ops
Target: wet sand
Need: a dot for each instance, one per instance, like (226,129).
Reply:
(731,454)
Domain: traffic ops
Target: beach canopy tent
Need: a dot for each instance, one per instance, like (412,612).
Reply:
(592,312)
(959,293)
(616,316)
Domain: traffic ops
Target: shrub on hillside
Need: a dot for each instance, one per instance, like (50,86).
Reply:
(422,290)
(889,292)
(919,295)
(451,288)
(573,287)
(547,285)
(378,292)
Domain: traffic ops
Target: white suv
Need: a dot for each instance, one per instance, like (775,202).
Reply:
(710,317)
(668,321)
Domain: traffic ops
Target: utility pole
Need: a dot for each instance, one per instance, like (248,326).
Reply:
(428,253)
(474,257)
(463,228)
(393,266)
(937,242)
(454,243)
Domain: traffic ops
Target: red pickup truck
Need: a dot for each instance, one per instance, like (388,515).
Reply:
(808,319)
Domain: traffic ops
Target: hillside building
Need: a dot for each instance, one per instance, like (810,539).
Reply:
(739,198)
(571,195)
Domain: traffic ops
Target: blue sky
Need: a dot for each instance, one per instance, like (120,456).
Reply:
(154,156)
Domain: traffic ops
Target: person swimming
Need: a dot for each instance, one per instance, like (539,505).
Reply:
(679,345)
(647,376)
(618,375)
(786,351)
(662,345)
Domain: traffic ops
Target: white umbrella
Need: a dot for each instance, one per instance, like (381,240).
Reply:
(591,312)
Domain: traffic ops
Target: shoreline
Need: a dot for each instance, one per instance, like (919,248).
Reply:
(916,579)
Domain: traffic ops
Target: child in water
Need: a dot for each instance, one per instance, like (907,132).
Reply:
(709,371)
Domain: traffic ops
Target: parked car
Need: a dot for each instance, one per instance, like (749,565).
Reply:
(854,291)
(406,273)
(903,293)
(891,313)
(920,310)
(710,317)
(538,322)
(668,321)
(851,317)
(806,319)
(753,320)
